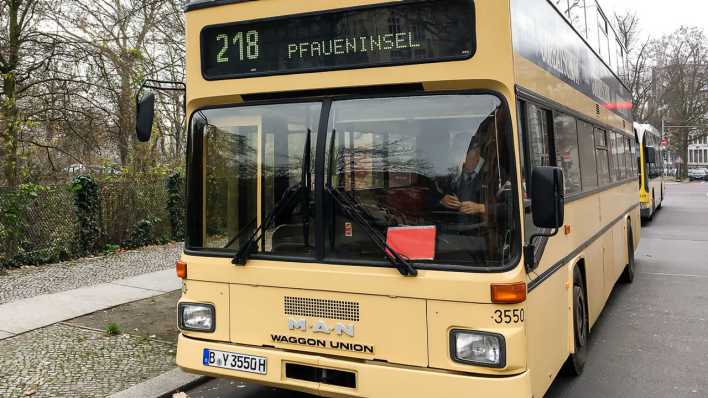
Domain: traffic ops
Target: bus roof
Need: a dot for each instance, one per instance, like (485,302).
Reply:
(643,129)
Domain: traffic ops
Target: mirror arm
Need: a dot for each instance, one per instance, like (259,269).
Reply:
(530,249)
(163,85)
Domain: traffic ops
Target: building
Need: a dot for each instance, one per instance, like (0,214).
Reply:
(698,153)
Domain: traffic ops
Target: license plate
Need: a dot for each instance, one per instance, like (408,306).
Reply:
(235,361)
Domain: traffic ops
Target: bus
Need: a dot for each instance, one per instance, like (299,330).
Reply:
(410,198)
(651,163)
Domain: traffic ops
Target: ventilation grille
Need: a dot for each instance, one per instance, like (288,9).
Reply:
(316,308)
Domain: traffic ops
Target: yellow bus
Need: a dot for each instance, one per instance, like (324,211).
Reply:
(429,198)
(651,161)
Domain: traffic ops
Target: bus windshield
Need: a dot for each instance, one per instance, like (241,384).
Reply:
(251,157)
(417,164)
(431,175)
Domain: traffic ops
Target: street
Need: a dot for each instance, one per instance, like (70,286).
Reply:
(651,340)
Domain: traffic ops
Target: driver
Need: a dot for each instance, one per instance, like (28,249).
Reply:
(461,191)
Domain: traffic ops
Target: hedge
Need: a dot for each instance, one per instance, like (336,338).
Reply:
(46,224)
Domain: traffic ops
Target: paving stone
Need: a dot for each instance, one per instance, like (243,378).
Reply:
(65,361)
(32,281)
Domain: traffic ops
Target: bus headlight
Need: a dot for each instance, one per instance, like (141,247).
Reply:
(478,348)
(196,317)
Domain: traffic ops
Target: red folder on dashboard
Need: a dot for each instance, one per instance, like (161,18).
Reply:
(413,243)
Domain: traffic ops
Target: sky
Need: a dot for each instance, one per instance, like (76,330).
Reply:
(659,17)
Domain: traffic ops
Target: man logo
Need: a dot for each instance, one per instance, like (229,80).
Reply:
(297,324)
(321,327)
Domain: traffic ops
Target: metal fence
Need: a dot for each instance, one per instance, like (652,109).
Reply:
(42,226)
(124,204)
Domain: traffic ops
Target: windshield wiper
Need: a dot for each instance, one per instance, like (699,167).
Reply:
(355,212)
(285,201)
(306,181)
(240,233)
(288,198)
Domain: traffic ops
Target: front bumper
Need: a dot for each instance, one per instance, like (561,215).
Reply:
(373,379)
(645,206)
(645,213)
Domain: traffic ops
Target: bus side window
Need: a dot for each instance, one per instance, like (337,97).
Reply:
(614,165)
(567,152)
(603,157)
(537,141)
(520,122)
(622,157)
(588,162)
(537,150)
(628,158)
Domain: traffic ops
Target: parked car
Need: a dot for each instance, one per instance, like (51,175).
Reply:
(698,174)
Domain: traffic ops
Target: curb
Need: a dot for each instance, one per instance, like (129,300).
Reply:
(163,386)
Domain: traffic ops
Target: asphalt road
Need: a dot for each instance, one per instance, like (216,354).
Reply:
(652,339)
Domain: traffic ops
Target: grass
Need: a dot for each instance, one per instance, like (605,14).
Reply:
(111,248)
(112,329)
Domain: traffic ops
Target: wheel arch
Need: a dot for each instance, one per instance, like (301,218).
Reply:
(578,262)
(628,223)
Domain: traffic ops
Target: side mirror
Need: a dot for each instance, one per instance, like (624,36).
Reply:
(145,114)
(547,195)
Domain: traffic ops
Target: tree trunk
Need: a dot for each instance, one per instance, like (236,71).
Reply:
(125,116)
(10,127)
(684,154)
(9,113)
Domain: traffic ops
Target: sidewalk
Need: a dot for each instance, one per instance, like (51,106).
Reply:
(53,344)
(31,281)
(33,313)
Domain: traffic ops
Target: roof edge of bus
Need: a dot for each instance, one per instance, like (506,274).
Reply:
(642,129)
(199,4)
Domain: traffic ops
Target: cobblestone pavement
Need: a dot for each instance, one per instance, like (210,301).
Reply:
(66,361)
(31,281)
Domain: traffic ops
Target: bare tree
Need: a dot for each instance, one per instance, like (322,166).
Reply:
(681,86)
(114,34)
(638,75)
(166,61)
(24,53)
(68,76)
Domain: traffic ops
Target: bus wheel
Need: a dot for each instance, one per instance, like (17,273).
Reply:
(653,206)
(628,274)
(581,328)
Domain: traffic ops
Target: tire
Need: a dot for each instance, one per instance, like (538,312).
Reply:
(629,269)
(575,364)
(653,206)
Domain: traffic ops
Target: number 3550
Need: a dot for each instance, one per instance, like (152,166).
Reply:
(508,316)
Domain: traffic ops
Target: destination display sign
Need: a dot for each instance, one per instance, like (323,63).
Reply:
(391,34)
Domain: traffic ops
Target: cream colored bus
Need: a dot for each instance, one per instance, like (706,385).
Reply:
(428,198)
(651,162)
